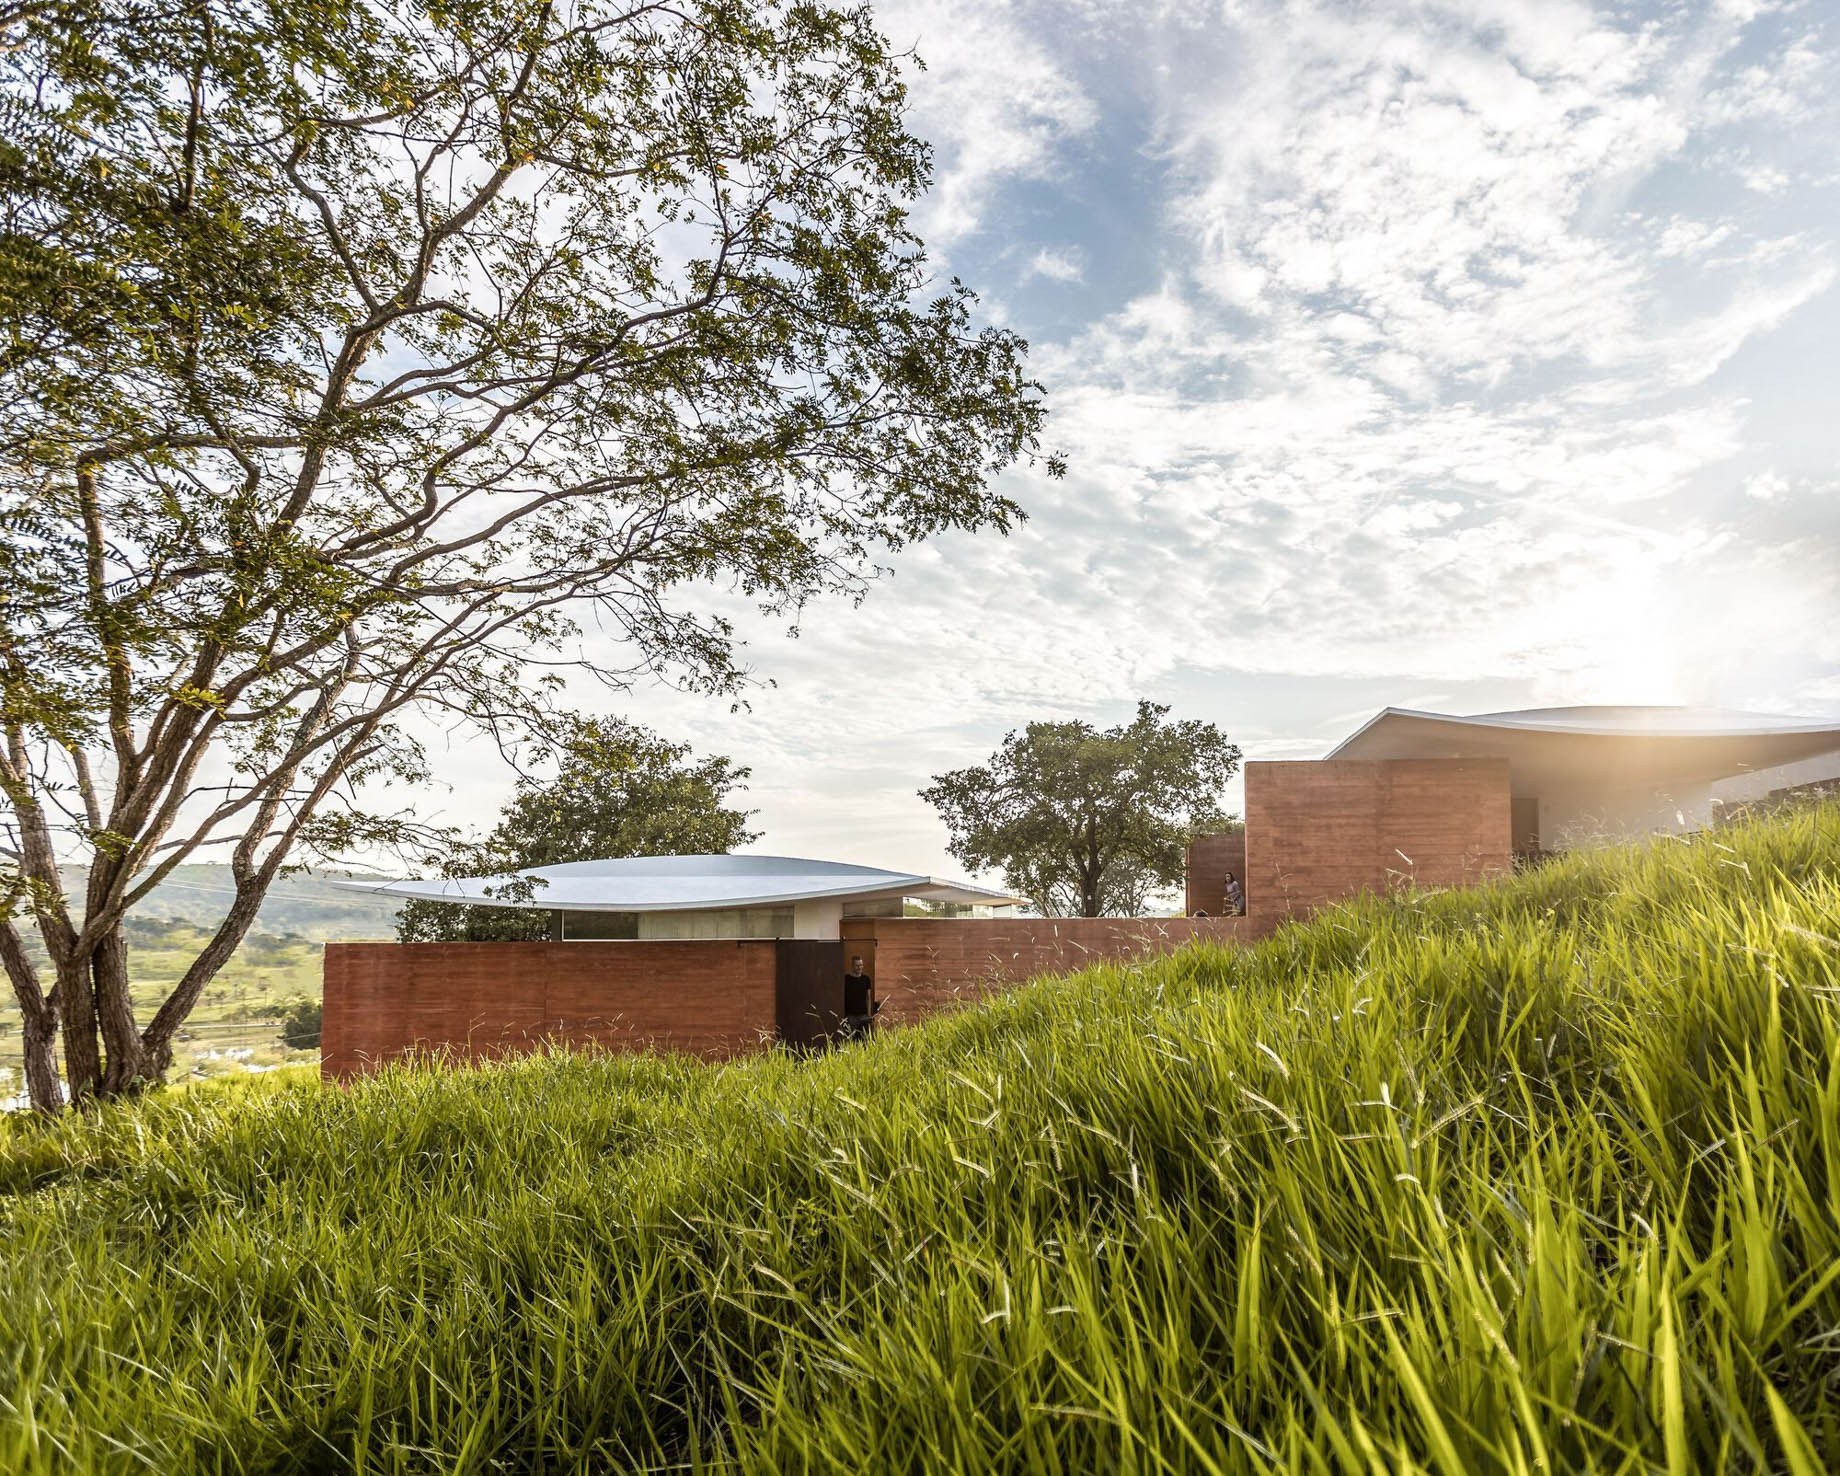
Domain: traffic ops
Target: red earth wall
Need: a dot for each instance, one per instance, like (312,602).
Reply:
(483,1000)
(1320,830)
(925,965)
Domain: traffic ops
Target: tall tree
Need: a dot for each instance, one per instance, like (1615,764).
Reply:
(1089,822)
(618,790)
(361,361)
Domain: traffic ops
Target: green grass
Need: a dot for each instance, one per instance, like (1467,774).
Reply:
(1544,1177)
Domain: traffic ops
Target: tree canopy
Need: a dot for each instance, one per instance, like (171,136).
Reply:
(618,790)
(367,365)
(1085,821)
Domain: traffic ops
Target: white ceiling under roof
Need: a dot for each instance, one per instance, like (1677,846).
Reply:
(687,883)
(1546,745)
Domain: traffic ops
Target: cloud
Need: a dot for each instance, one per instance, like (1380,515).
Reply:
(1449,354)
(1455,174)
(1057,264)
(1416,365)
(993,100)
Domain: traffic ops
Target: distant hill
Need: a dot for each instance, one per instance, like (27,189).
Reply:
(306,905)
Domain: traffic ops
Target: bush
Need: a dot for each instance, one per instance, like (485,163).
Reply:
(300,1026)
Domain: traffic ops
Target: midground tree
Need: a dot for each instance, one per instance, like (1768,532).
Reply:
(1088,821)
(368,366)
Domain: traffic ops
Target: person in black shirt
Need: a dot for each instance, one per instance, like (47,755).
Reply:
(859,1001)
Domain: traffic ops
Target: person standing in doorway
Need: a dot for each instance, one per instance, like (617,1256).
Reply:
(1235,895)
(860,1005)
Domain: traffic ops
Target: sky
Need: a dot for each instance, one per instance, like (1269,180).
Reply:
(1462,356)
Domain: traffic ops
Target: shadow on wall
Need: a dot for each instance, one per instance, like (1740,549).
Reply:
(1209,860)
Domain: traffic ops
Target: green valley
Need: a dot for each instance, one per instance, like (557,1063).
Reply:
(235,1025)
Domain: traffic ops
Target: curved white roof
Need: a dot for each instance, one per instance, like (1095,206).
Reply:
(1619,722)
(1696,742)
(686,883)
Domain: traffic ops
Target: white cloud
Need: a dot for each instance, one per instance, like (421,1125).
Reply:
(1453,173)
(993,100)
(1684,237)
(1057,264)
(1412,276)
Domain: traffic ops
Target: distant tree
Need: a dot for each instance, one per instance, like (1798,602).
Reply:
(356,359)
(300,1026)
(1088,822)
(618,790)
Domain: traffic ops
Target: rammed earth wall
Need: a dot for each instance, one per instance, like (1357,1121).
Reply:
(1321,830)
(481,1000)
(923,966)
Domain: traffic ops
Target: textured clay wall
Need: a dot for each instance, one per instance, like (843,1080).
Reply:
(922,966)
(1210,858)
(1324,829)
(481,1000)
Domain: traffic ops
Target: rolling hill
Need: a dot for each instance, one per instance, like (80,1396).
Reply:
(305,905)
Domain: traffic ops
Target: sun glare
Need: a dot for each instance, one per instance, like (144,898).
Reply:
(1623,640)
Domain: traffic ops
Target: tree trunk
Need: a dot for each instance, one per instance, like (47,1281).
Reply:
(39,1020)
(42,1084)
(1092,870)
(126,1070)
(76,998)
(157,1038)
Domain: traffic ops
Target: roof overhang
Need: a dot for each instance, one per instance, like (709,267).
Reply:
(684,884)
(1597,747)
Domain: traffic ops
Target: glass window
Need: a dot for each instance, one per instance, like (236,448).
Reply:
(730,922)
(598,926)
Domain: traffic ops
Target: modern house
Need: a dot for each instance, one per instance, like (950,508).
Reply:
(1432,800)
(714,955)
(721,955)
(1584,773)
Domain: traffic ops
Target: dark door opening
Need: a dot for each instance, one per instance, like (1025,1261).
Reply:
(808,990)
(1525,822)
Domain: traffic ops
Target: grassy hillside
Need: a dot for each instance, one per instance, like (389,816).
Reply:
(1544,1177)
